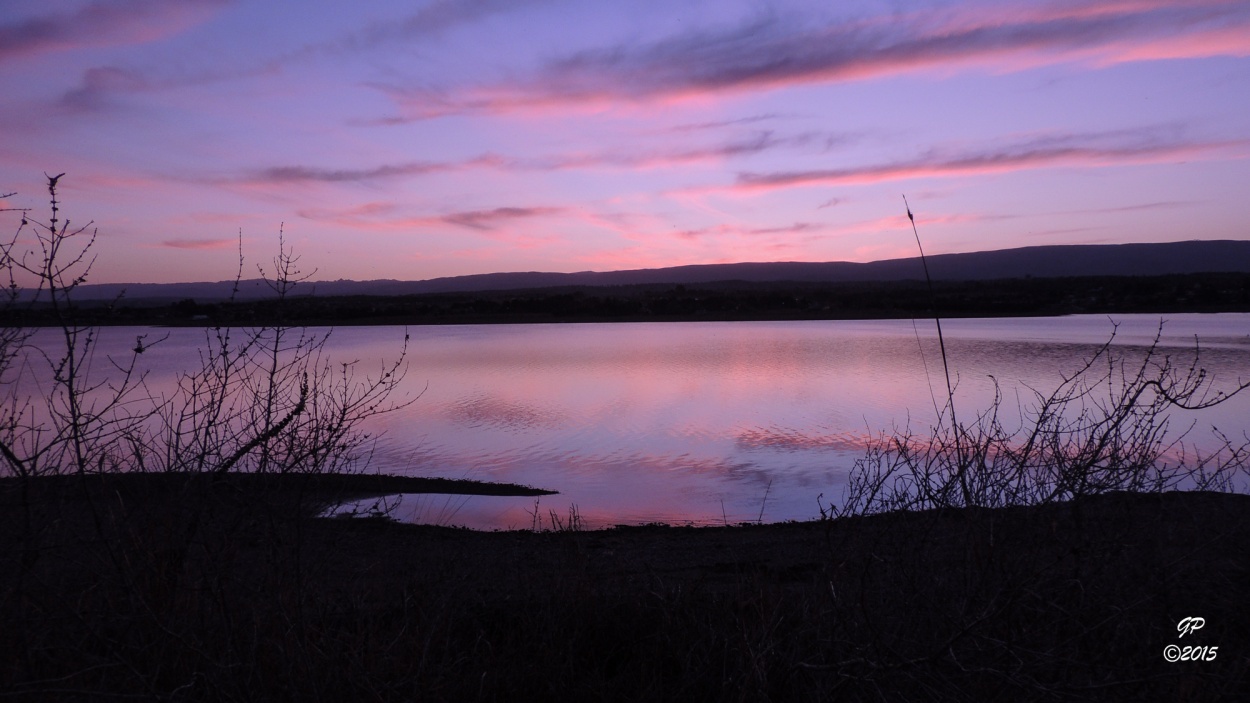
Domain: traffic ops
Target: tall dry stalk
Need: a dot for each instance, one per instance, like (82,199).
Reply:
(1105,427)
(946,368)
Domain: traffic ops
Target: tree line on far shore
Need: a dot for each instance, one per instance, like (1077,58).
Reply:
(730,300)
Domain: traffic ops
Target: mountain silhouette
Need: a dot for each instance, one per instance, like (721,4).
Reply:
(1189,257)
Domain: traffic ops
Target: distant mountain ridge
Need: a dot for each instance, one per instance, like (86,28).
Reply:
(1188,257)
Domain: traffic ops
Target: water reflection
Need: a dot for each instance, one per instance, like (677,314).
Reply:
(668,421)
(703,422)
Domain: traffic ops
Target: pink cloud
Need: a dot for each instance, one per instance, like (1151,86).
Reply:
(498,223)
(1159,205)
(200,244)
(374,215)
(1060,153)
(99,178)
(103,23)
(614,159)
(372,209)
(796,228)
(799,234)
(773,53)
(216,218)
(100,84)
(661,158)
(1229,41)
(279,175)
(491,219)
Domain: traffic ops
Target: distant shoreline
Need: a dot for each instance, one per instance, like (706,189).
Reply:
(719,302)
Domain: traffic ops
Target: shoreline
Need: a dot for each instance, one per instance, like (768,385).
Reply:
(693,302)
(315,489)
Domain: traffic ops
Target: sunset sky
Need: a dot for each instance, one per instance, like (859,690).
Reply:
(412,140)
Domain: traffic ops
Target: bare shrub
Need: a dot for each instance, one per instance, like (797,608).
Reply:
(1105,427)
(264,399)
(271,400)
(81,421)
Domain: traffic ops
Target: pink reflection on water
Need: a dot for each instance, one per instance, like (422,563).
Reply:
(797,440)
(670,422)
(703,422)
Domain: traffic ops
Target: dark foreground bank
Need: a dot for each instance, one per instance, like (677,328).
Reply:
(200,590)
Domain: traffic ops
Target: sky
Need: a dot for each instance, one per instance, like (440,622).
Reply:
(413,140)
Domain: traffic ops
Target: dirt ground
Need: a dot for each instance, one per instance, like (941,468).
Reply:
(227,589)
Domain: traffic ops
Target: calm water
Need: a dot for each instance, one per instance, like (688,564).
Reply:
(702,422)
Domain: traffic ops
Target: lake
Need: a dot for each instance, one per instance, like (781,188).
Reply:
(702,423)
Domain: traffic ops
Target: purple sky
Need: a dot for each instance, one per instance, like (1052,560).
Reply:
(412,140)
